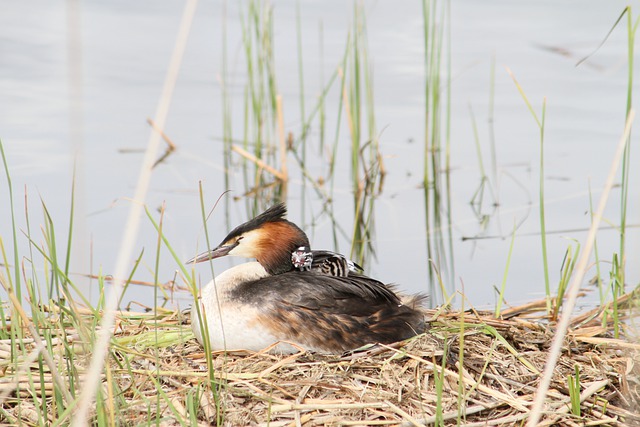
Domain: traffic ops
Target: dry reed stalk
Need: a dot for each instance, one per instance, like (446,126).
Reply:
(165,137)
(610,342)
(258,162)
(282,139)
(169,286)
(85,402)
(347,108)
(598,312)
(578,275)
(171,147)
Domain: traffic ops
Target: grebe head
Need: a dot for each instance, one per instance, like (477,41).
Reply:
(302,258)
(269,238)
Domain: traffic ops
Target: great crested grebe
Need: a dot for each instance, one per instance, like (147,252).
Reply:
(326,262)
(279,245)
(317,300)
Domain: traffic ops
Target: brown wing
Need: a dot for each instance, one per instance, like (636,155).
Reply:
(331,313)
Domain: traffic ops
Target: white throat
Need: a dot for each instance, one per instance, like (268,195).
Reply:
(238,274)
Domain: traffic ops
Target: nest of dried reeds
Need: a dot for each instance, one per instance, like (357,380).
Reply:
(470,369)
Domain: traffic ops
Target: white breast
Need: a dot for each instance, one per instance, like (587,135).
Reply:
(231,325)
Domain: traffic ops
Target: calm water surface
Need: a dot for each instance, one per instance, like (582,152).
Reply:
(77,87)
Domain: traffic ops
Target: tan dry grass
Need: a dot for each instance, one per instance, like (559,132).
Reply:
(385,385)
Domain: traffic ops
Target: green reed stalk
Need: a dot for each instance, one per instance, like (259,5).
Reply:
(43,328)
(490,120)
(427,151)
(254,97)
(34,287)
(308,178)
(447,167)
(66,293)
(437,127)
(321,101)
(156,271)
(341,72)
(212,383)
(71,217)
(261,107)
(303,116)
(478,197)
(573,382)
(341,105)
(227,124)
(624,185)
(617,289)
(56,274)
(366,172)
(370,154)
(355,102)
(355,116)
(543,229)
(16,260)
(193,404)
(566,271)
(50,239)
(601,291)
(503,286)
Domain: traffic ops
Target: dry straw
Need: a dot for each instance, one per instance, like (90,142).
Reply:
(423,381)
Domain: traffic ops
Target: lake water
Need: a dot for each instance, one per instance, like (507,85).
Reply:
(77,83)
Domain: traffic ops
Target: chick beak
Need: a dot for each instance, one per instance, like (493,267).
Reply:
(218,252)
